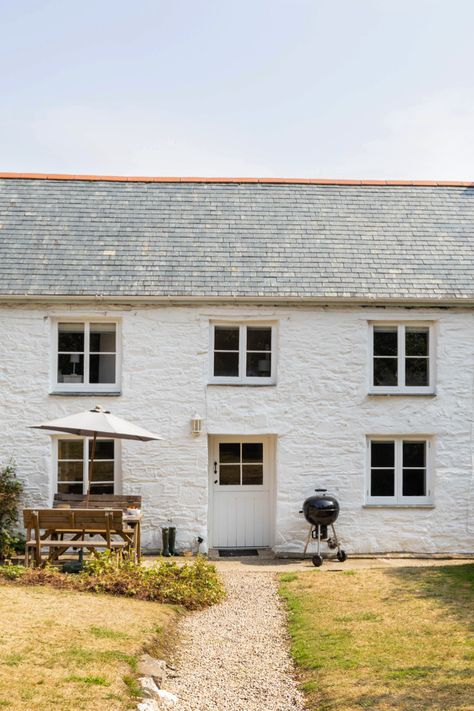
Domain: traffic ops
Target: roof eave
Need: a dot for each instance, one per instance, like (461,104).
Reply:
(407,301)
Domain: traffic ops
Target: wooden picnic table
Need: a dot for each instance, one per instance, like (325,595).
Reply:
(107,501)
(60,529)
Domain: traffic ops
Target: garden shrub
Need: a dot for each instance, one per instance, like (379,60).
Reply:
(192,585)
(10,491)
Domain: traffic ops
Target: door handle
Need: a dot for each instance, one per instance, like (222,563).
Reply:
(215,481)
(215,467)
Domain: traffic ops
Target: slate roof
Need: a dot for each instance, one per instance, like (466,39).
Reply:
(222,238)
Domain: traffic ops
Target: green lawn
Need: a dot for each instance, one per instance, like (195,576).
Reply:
(68,650)
(384,639)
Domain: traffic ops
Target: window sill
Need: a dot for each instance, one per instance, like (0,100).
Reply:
(398,506)
(405,393)
(85,393)
(243,385)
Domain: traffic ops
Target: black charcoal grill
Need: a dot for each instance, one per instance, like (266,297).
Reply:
(322,511)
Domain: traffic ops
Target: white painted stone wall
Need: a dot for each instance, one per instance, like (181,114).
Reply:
(319,412)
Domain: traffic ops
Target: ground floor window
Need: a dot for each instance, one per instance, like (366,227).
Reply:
(73,457)
(399,470)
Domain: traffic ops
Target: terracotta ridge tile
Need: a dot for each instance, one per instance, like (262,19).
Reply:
(192,179)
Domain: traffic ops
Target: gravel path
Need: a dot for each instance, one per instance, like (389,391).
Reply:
(234,656)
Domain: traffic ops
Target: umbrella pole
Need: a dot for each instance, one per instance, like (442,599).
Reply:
(91,469)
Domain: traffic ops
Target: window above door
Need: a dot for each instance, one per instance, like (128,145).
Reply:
(401,358)
(242,354)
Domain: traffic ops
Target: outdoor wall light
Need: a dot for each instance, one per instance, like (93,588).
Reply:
(196,425)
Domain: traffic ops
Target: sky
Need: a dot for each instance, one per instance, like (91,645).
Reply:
(378,89)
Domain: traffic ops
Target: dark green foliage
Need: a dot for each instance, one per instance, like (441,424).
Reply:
(10,491)
(191,585)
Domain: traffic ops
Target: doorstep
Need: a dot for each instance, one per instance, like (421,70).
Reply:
(262,554)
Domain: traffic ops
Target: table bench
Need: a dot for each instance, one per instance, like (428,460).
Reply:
(98,501)
(58,523)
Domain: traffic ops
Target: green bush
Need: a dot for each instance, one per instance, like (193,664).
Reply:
(10,491)
(191,585)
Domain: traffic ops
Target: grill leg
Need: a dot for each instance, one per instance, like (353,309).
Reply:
(341,555)
(335,538)
(308,539)
(319,539)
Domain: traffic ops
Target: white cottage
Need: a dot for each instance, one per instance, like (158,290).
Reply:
(323,332)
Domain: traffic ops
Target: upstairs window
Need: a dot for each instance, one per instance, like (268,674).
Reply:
(398,471)
(73,466)
(87,356)
(401,358)
(242,354)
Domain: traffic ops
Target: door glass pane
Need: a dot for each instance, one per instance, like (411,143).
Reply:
(259,365)
(382,482)
(252,452)
(416,371)
(414,482)
(385,341)
(259,339)
(229,474)
(229,452)
(416,341)
(385,371)
(414,454)
(226,338)
(70,337)
(102,337)
(252,474)
(383,454)
(226,364)
(70,368)
(102,368)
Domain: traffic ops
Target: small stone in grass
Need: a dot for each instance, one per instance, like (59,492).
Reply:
(167,697)
(148,687)
(148,705)
(156,668)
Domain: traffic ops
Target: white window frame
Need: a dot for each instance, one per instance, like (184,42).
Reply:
(86,386)
(398,499)
(401,387)
(242,378)
(85,460)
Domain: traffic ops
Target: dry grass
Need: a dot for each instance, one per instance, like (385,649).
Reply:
(67,650)
(384,639)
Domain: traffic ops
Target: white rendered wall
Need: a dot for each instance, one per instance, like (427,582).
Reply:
(319,413)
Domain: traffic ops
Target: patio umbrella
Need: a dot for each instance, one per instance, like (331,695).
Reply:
(97,423)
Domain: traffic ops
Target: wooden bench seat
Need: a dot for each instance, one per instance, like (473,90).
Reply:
(58,523)
(98,501)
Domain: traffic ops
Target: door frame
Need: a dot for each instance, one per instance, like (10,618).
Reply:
(269,447)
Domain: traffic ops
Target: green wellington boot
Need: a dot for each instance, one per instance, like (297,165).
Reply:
(165,534)
(172,530)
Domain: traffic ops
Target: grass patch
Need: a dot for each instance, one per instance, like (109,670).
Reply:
(132,685)
(53,657)
(385,639)
(108,633)
(88,680)
(11,660)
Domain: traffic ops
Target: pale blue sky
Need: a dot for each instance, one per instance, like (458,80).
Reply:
(292,88)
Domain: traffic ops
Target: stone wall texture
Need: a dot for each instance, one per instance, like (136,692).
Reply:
(319,413)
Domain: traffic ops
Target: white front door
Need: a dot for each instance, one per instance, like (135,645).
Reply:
(241,513)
